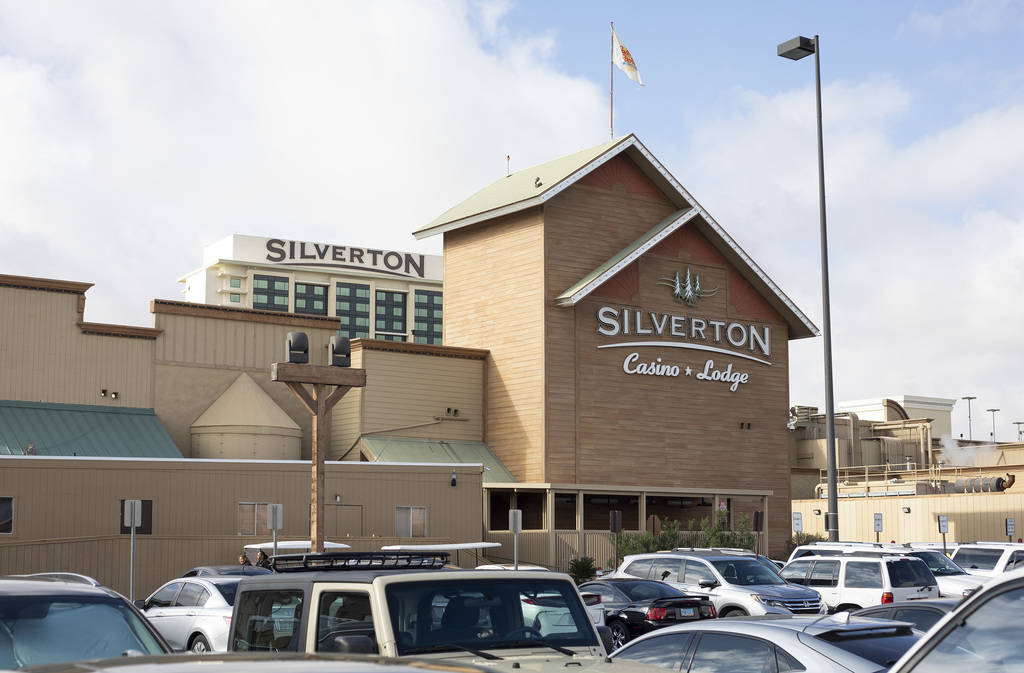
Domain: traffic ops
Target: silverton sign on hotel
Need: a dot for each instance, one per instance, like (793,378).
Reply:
(643,329)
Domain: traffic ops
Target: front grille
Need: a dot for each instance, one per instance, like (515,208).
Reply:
(801,607)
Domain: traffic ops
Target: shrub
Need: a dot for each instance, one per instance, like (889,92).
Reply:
(582,569)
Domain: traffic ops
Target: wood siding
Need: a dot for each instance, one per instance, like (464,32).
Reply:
(66,512)
(494,299)
(47,357)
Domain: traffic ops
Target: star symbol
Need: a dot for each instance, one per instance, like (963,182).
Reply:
(688,371)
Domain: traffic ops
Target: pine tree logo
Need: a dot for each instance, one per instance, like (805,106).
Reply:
(689,290)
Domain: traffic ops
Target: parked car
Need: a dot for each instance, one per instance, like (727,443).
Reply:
(774,643)
(851,582)
(634,607)
(989,559)
(923,614)
(953,580)
(193,613)
(76,578)
(216,571)
(46,621)
(983,633)
(410,604)
(736,584)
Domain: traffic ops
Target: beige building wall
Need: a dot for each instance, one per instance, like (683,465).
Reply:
(51,354)
(67,511)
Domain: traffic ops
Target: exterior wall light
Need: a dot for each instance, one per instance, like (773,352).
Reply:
(453,479)
(906,510)
(817,512)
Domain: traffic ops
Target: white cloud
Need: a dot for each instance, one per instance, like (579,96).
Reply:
(966,18)
(137,133)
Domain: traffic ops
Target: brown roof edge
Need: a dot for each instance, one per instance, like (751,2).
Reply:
(419,349)
(119,330)
(244,314)
(45,284)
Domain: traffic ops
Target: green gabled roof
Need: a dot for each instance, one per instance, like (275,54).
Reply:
(417,450)
(516,191)
(82,430)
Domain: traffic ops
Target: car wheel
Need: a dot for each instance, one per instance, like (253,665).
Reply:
(620,634)
(199,644)
(734,612)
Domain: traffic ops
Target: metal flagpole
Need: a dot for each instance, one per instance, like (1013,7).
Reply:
(611,82)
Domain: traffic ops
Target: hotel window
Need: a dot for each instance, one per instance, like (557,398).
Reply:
(427,317)
(311,299)
(235,298)
(410,521)
(270,293)
(147,519)
(352,306)
(390,316)
(251,518)
(7,515)
(235,282)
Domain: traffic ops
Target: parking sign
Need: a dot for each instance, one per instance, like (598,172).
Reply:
(798,522)
(878,522)
(943,524)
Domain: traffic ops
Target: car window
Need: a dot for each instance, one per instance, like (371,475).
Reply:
(796,572)
(165,596)
(640,568)
(824,574)
(1016,560)
(977,558)
(642,591)
(268,621)
(863,575)
(938,563)
(987,639)
(874,613)
(922,618)
(666,570)
(663,651)
(786,662)
(227,590)
(343,613)
(727,653)
(696,572)
(607,594)
(190,595)
(909,573)
(882,647)
(746,572)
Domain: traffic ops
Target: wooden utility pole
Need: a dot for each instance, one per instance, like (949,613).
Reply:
(319,404)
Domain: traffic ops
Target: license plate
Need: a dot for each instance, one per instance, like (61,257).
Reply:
(687,612)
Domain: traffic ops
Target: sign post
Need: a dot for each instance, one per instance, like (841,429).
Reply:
(878,525)
(943,528)
(275,519)
(615,526)
(1009,528)
(798,522)
(515,524)
(132,519)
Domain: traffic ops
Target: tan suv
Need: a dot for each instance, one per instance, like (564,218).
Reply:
(409,604)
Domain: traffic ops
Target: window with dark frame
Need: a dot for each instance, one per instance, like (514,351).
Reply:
(389,316)
(310,299)
(352,306)
(147,519)
(410,521)
(270,293)
(427,322)
(251,518)
(6,515)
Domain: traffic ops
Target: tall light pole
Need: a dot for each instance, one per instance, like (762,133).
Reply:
(796,49)
(1019,431)
(993,424)
(969,398)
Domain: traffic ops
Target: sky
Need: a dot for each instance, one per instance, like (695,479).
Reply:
(132,134)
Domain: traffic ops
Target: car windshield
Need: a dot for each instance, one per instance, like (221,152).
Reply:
(642,591)
(746,572)
(227,590)
(939,564)
(487,614)
(37,630)
(883,648)
(977,558)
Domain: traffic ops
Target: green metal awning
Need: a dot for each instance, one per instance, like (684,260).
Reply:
(416,450)
(44,429)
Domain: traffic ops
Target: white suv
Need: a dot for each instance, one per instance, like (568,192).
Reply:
(737,583)
(850,582)
(989,559)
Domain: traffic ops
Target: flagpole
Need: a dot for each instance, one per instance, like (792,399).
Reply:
(611,82)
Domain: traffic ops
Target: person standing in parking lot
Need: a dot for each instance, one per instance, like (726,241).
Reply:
(243,560)
(262,560)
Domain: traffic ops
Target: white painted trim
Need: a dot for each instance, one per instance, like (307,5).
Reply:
(189,461)
(480,217)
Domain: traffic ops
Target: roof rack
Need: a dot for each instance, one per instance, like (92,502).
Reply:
(371,560)
(734,551)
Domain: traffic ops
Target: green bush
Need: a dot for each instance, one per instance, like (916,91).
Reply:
(582,569)
(712,532)
(802,538)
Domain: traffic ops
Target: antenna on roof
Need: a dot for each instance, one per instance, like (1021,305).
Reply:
(508,165)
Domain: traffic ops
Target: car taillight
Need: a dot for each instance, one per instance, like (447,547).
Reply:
(657,613)
(530,601)
(708,611)
(887,597)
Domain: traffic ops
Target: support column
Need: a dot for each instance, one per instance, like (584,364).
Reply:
(551,527)
(641,512)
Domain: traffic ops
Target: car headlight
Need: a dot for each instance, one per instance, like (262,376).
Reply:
(773,601)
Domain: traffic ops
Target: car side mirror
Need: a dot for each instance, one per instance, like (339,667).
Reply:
(605,634)
(708,584)
(140,604)
(353,645)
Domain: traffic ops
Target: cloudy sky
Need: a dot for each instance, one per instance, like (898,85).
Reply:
(134,133)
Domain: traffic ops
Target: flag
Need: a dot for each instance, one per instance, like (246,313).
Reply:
(622,58)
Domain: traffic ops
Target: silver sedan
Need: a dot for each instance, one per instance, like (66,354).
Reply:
(193,613)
